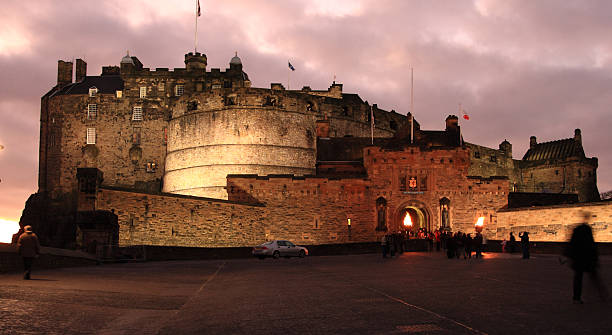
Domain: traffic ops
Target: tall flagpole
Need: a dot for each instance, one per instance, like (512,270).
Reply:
(195,39)
(458,126)
(372,123)
(411,105)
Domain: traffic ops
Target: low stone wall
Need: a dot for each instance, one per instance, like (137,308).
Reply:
(10,261)
(555,223)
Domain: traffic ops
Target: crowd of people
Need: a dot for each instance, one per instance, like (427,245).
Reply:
(457,245)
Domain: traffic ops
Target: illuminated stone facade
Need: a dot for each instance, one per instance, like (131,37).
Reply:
(191,157)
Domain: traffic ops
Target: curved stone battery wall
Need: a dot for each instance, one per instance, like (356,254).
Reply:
(249,131)
(204,147)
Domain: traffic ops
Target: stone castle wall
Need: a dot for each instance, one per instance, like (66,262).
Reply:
(123,147)
(254,131)
(440,174)
(571,176)
(555,223)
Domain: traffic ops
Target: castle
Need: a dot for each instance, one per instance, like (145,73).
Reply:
(191,157)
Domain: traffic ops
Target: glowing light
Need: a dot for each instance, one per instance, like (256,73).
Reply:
(407,220)
(480,221)
(7,229)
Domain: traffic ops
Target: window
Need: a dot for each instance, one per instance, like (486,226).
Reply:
(91,135)
(119,94)
(493,158)
(161,87)
(92,111)
(92,92)
(137,113)
(393,125)
(179,90)
(143,92)
(556,172)
(476,154)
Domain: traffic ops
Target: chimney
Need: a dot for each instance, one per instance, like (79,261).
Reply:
(81,70)
(452,123)
(578,136)
(64,73)
(532,142)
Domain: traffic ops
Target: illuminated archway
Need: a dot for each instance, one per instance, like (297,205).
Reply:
(414,212)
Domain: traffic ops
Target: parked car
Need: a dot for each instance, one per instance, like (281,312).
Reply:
(278,248)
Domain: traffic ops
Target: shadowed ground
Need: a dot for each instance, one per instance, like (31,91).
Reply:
(418,293)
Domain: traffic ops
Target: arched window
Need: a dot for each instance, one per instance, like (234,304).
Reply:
(381,214)
(444,213)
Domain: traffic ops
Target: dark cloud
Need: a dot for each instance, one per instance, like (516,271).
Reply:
(519,68)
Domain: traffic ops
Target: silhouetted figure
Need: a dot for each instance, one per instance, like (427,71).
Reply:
(512,242)
(384,245)
(29,249)
(525,244)
(478,244)
(469,245)
(582,250)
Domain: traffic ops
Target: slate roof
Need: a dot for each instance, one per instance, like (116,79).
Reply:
(560,149)
(108,84)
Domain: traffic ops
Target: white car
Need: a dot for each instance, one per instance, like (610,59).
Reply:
(278,248)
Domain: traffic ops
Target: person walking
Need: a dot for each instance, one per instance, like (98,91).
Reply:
(478,239)
(29,249)
(469,244)
(512,242)
(582,251)
(525,244)
(384,245)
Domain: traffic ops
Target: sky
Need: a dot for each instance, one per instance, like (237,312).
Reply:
(518,68)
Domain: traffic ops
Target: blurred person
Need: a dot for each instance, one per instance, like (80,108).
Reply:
(512,242)
(582,251)
(525,244)
(29,249)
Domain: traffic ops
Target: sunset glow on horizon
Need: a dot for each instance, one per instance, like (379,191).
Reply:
(7,229)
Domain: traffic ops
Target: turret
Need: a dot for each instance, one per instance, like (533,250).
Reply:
(506,148)
(195,61)
(532,142)
(236,63)
(127,64)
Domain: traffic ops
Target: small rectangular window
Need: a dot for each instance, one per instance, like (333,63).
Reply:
(119,94)
(179,90)
(143,92)
(91,135)
(161,87)
(137,113)
(92,92)
(476,154)
(92,111)
(493,158)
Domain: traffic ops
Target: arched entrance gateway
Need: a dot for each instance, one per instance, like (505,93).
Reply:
(412,216)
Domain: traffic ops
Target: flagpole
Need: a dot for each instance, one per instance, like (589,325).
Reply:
(372,123)
(195,39)
(460,112)
(411,105)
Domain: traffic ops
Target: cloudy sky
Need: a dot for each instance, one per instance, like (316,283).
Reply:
(519,68)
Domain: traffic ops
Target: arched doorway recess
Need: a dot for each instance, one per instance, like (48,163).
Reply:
(414,212)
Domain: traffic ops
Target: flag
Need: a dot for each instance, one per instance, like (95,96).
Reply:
(291,66)
(465,116)
(199,11)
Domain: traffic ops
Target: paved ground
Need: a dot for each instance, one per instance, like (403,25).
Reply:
(422,293)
